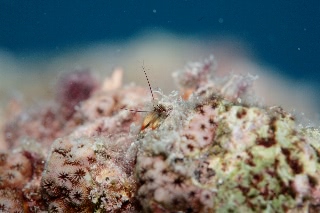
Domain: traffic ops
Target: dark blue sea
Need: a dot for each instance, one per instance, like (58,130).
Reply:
(283,34)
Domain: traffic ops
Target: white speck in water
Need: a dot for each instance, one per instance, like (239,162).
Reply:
(220,20)
(298,48)
(154,10)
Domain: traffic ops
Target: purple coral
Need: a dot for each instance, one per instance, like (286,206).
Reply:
(73,88)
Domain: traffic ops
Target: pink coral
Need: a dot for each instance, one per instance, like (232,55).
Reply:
(99,150)
(15,170)
(10,201)
(88,172)
(41,124)
(47,122)
(66,181)
(215,150)
(20,181)
(162,187)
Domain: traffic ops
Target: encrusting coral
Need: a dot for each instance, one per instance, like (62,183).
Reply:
(46,123)
(217,149)
(20,175)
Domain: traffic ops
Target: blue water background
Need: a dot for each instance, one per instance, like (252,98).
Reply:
(283,33)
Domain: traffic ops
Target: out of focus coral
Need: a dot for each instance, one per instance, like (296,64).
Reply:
(45,123)
(73,88)
(213,147)
(20,175)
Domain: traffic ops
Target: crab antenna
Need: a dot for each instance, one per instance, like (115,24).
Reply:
(143,68)
(132,110)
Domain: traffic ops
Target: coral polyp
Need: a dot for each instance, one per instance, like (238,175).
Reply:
(211,147)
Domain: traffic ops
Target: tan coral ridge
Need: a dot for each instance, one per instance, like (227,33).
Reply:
(216,151)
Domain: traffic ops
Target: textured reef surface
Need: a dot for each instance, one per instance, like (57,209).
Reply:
(209,147)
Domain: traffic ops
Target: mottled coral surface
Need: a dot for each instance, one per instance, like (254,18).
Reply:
(211,147)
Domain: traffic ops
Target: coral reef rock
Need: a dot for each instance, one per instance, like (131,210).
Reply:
(211,147)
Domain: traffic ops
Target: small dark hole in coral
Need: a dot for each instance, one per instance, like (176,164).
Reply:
(312,181)
(178,181)
(203,127)
(192,194)
(190,147)
(100,111)
(164,172)
(10,176)
(151,179)
(77,196)
(211,172)
(211,121)
(241,113)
